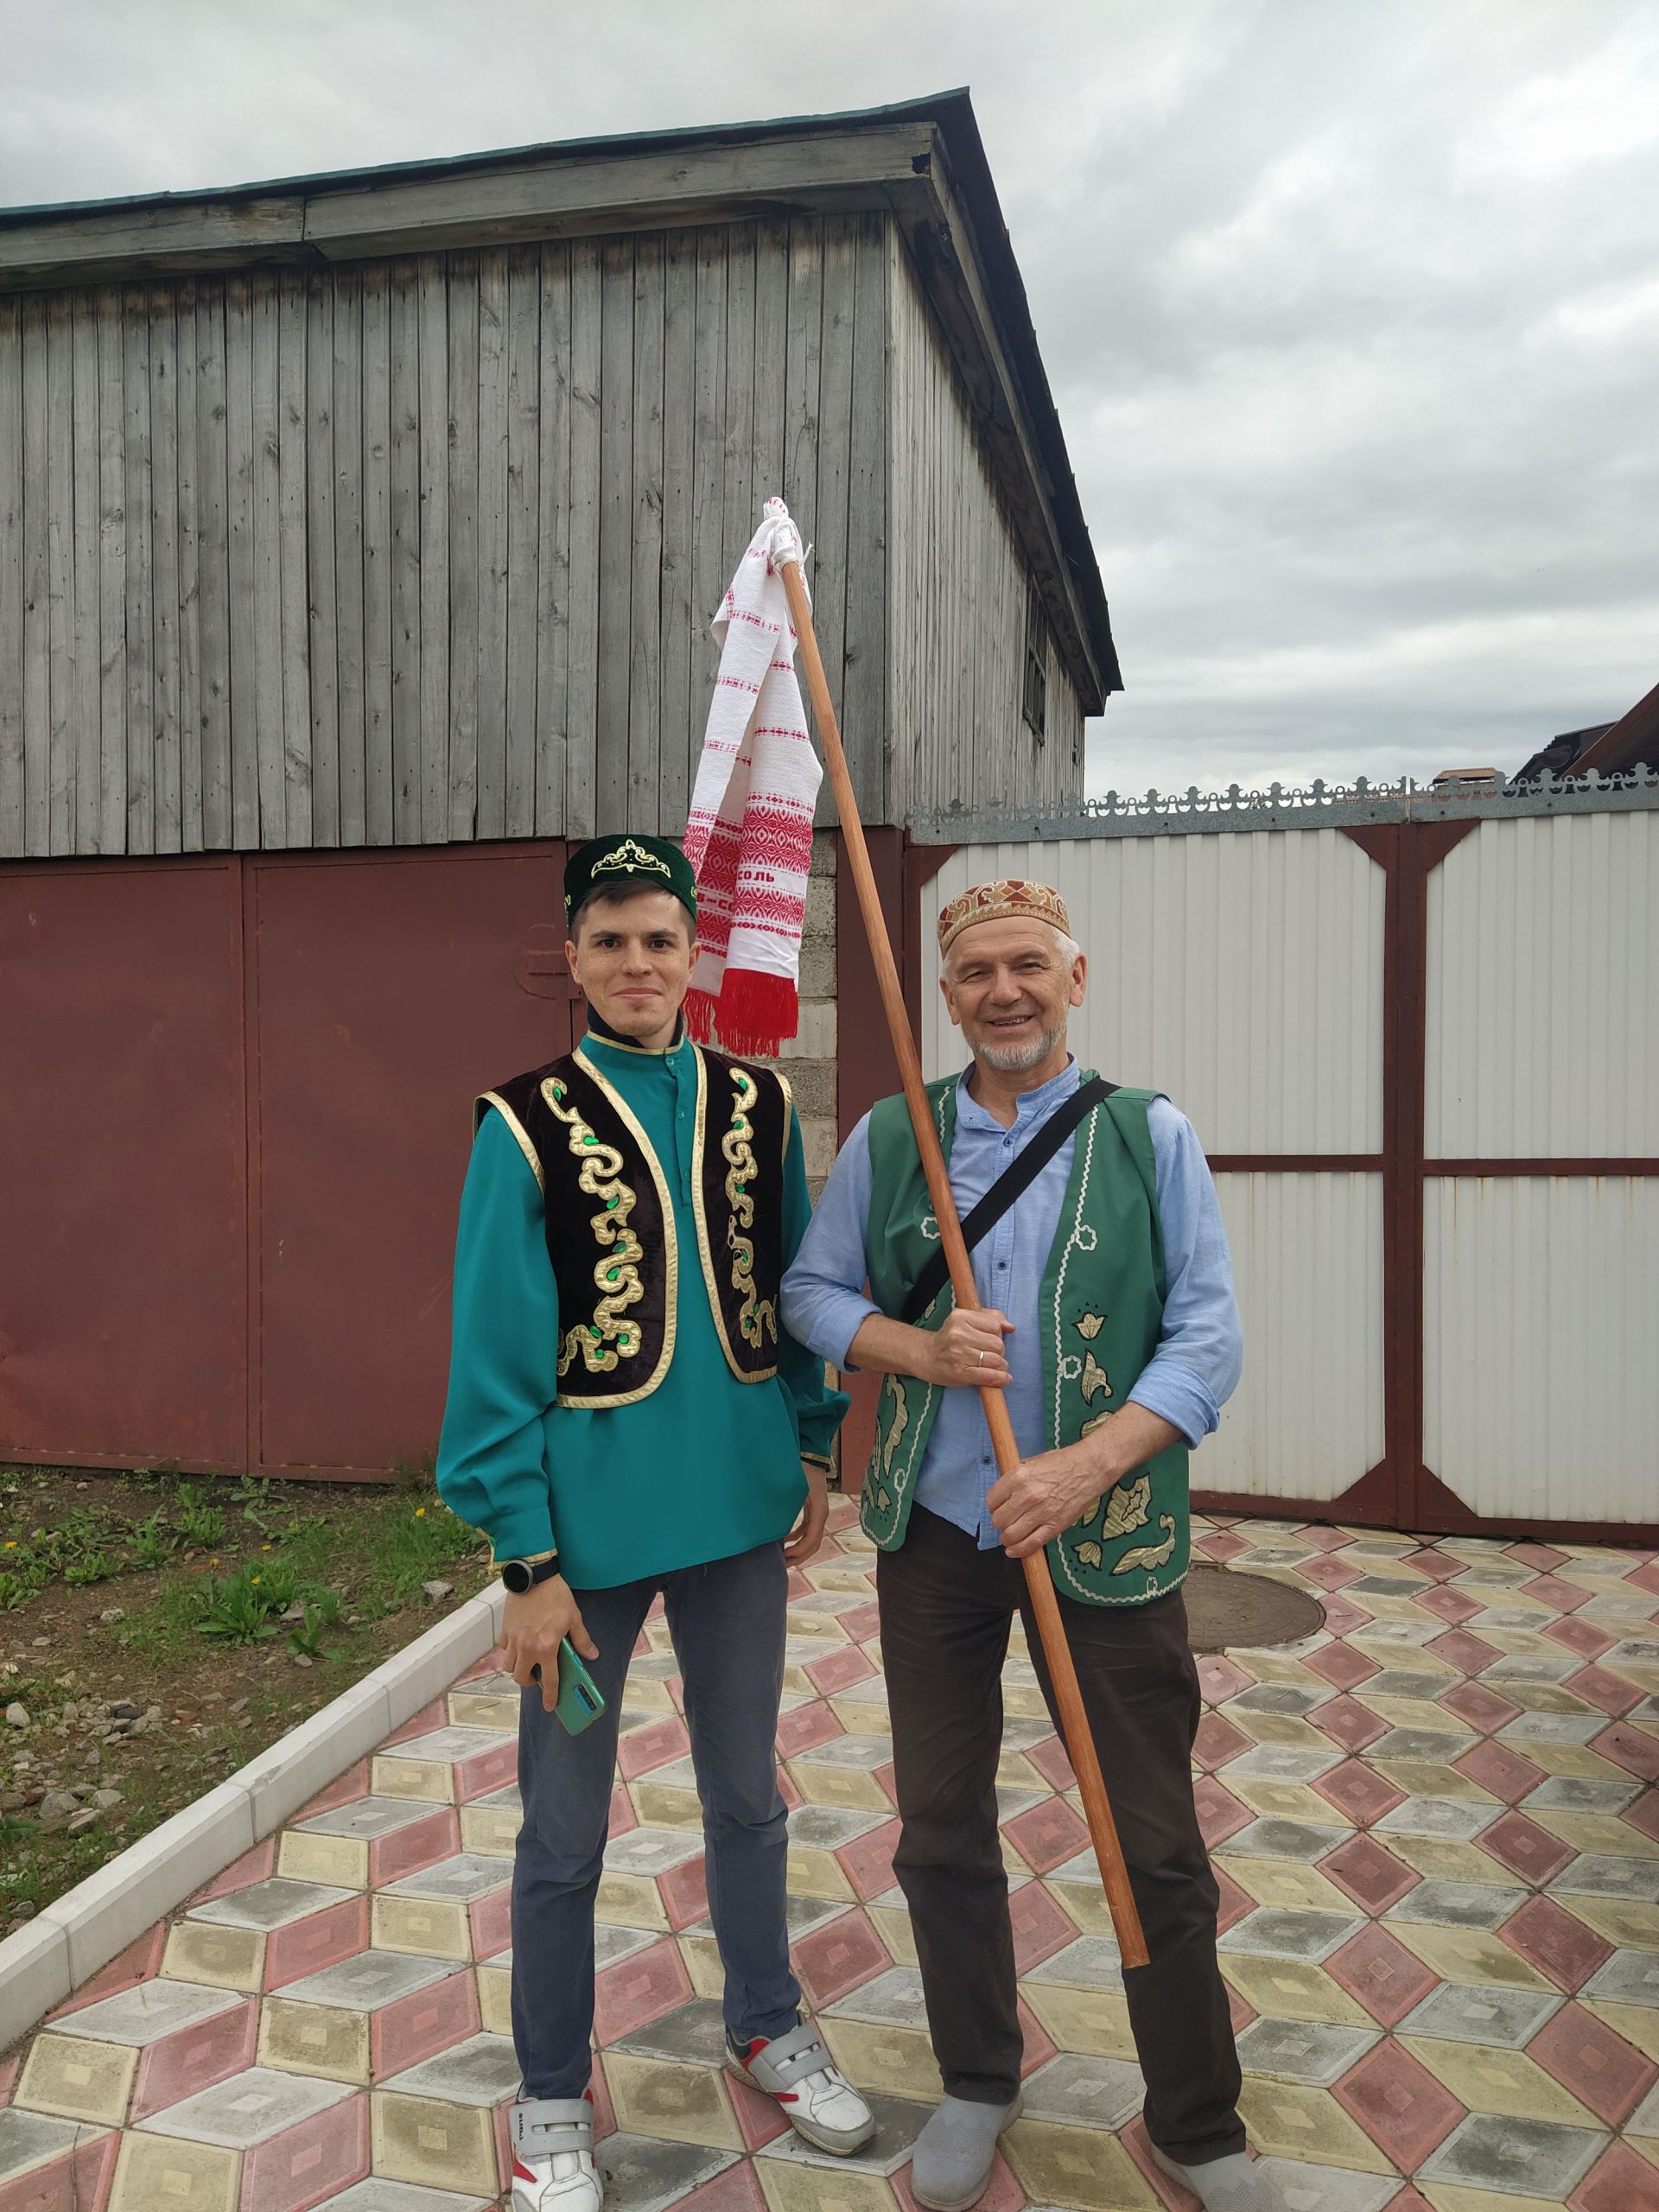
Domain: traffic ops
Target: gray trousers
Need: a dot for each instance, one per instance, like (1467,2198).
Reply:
(728,1622)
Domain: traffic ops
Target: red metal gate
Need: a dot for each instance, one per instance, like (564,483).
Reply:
(234,1115)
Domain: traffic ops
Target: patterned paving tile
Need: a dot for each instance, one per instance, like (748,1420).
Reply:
(1601,2070)
(1358,1792)
(1508,2082)
(270,1904)
(1275,1932)
(226,1958)
(1522,2157)
(1524,1847)
(1077,2090)
(1437,1839)
(1287,1989)
(1555,1941)
(1386,1978)
(1317,2052)
(1459,1904)
(1290,2121)
(256,2105)
(1370,1872)
(1399,2103)
(1619,2181)
(1500,1770)
(1501,2020)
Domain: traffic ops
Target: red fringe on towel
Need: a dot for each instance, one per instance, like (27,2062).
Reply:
(752,1017)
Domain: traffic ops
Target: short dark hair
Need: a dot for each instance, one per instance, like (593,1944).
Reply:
(622,894)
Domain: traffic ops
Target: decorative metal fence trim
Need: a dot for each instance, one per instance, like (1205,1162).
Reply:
(1319,806)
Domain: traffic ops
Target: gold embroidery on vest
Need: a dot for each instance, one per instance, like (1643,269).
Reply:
(757,1318)
(1127,1508)
(1094,1379)
(1089,1325)
(900,1422)
(1150,1554)
(608,1338)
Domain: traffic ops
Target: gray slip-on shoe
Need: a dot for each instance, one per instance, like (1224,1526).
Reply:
(1234,2184)
(951,2162)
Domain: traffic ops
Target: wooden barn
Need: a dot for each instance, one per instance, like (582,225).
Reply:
(358,537)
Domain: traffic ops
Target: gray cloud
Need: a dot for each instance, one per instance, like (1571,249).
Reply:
(1351,312)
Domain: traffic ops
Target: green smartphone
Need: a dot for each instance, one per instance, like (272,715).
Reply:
(579,1701)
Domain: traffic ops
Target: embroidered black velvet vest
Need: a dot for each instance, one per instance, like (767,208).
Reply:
(611,1233)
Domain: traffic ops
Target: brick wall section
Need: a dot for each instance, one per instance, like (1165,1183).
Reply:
(809,1058)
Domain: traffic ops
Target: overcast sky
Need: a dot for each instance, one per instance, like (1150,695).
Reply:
(1350,307)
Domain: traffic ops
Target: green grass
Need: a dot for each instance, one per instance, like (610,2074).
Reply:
(172,1593)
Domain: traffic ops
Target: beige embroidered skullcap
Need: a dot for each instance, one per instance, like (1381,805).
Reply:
(1009,898)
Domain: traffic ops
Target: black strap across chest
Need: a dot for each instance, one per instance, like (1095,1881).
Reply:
(1016,1178)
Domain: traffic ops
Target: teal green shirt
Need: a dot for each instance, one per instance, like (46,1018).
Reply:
(704,1468)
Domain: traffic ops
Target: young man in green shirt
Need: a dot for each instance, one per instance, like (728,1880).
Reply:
(627,1417)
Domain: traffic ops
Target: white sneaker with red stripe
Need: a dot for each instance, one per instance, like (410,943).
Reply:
(798,2075)
(553,2170)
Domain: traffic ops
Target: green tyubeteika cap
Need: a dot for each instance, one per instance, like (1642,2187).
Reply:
(626,863)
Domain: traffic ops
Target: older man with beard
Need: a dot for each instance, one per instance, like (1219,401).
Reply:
(1109,1320)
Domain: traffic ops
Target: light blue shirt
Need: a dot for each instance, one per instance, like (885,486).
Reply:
(1194,1369)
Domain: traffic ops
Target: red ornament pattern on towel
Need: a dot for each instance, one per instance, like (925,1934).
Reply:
(749,834)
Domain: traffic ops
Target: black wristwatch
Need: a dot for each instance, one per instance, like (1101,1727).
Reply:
(517,1575)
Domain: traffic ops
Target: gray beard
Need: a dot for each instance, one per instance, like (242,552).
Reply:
(1015,1059)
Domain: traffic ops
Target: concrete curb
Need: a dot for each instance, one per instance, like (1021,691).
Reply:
(100,1917)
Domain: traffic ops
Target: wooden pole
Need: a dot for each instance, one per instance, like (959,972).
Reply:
(1079,1742)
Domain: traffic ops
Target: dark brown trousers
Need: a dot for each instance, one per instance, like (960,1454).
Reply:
(946,1607)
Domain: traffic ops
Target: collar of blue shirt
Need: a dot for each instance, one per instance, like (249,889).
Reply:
(1032,1106)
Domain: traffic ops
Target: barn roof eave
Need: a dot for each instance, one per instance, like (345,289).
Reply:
(878,156)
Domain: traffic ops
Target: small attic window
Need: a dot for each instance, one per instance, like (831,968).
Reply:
(1035,701)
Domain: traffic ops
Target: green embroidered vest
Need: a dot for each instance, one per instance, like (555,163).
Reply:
(1102,1304)
(611,1233)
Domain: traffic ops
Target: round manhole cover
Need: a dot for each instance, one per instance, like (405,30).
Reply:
(1226,1606)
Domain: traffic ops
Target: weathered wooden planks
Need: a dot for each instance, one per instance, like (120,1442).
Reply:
(212,568)
(523,533)
(742,498)
(190,713)
(827,521)
(347,561)
(61,570)
(424,549)
(582,666)
(89,812)
(553,543)
(269,706)
(11,578)
(324,609)
(615,533)
(404,514)
(37,618)
(864,686)
(434,401)
(678,613)
(377,558)
(240,566)
(463,546)
(642,797)
(491,819)
(958,596)
(709,573)
(165,732)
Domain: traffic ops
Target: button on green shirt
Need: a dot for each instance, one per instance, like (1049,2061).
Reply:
(704,1468)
